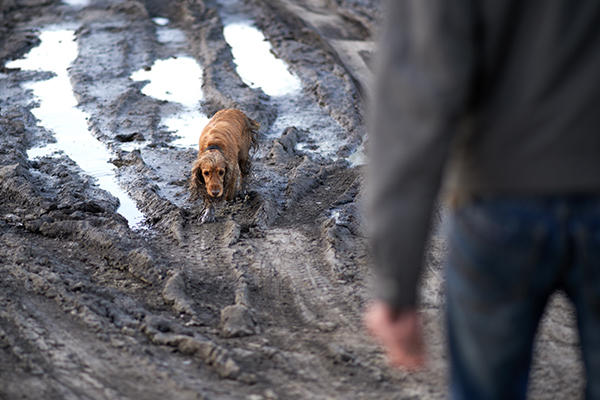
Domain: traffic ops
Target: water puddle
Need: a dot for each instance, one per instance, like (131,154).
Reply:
(255,62)
(77,3)
(170,36)
(167,35)
(160,21)
(57,112)
(174,79)
(177,80)
(258,67)
(187,125)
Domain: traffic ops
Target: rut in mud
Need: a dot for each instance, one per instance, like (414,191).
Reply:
(111,288)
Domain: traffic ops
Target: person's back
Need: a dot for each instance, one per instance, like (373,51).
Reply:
(534,99)
(502,98)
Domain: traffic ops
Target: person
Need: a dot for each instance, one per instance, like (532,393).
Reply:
(495,105)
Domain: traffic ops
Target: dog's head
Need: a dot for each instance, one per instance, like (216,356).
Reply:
(209,175)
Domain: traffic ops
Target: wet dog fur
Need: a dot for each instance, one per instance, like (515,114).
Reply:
(223,159)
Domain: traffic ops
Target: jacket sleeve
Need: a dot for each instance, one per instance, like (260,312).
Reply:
(423,78)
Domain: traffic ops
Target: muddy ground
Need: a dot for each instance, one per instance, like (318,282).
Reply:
(266,302)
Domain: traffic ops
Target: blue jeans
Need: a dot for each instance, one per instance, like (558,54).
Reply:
(506,257)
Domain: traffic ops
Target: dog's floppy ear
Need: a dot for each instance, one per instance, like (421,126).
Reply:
(196,181)
(252,126)
(227,179)
(232,180)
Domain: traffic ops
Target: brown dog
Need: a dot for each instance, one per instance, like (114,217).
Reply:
(223,158)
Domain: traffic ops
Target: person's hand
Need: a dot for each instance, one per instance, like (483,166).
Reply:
(400,333)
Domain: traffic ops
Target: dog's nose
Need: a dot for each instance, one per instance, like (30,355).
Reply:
(215,192)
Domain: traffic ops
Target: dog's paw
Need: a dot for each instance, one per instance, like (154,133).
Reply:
(208,216)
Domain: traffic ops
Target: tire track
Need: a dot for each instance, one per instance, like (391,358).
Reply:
(318,300)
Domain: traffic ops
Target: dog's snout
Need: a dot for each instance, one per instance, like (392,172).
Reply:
(215,192)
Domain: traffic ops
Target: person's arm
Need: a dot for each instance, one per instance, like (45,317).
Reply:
(422,88)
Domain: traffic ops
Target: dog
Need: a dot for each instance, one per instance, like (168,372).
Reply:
(223,159)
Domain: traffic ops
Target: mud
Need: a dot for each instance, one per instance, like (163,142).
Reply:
(264,303)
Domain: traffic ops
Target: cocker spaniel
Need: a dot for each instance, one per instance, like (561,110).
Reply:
(223,158)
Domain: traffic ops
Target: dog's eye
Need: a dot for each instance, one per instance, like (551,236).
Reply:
(221,172)
(205,173)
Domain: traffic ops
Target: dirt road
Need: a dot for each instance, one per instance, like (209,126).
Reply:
(266,302)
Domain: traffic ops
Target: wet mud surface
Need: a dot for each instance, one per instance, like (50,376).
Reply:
(264,303)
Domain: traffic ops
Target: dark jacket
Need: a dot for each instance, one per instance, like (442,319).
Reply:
(503,96)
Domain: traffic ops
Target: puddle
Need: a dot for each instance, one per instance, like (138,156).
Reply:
(167,35)
(174,79)
(255,62)
(57,112)
(170,36)
(160,21)
(77,3)
(258,67)
(177,80)
(187,125)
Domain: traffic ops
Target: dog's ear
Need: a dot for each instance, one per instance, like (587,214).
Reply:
(228,181)
(227,174)
(232,180)
(252,126)
(196,181)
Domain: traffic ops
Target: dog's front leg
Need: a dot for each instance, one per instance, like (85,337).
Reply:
(208,215)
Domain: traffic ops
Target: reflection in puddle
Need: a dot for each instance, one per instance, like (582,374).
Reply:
(177,80)
(256,64)
(58,112)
